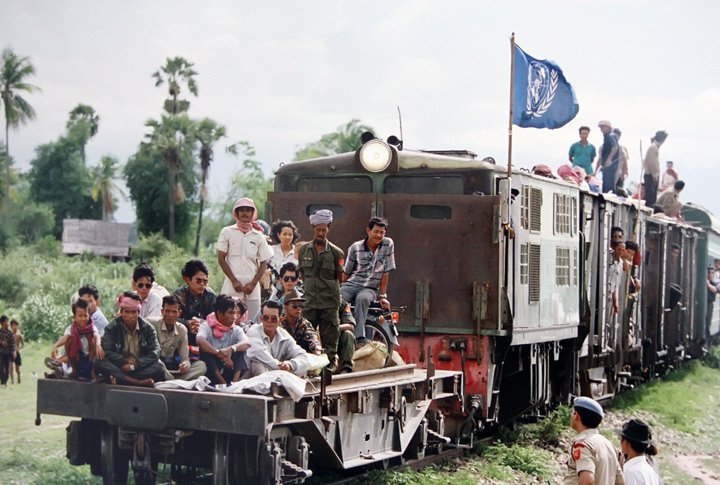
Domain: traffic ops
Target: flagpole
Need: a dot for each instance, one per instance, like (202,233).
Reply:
(510,120)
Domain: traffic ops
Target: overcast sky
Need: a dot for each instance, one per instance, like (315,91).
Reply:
(282,73)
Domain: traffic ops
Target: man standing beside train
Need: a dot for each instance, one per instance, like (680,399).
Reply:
(593,459)
(367,270)
(321,264)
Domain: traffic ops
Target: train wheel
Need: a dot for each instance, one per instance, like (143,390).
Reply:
(238,460)
(377,334)
(114,461)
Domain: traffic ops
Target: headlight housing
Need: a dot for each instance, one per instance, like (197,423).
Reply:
(376,155)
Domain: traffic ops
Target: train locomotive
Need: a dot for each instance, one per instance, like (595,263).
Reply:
(504,277)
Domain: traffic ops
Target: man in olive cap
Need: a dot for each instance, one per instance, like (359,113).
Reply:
(593,459)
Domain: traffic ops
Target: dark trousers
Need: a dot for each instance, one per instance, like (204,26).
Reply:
(155,371)
(213,364)
(609,176)
(327,321)
(5,361)
(650,190)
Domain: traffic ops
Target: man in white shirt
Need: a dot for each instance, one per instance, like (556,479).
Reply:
(142,283)
(272,347)
(243,253)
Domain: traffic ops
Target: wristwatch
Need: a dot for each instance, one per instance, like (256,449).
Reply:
(132,367)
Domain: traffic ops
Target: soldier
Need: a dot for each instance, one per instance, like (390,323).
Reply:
(321,263)
(593,459)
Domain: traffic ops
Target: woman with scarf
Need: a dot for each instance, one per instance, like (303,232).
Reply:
(223,343)
(243,253)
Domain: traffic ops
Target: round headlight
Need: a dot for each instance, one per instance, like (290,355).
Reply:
(375,156)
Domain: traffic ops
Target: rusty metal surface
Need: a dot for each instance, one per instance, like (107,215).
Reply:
(207,411)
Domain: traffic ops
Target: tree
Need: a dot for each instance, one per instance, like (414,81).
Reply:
(104,187)
(17,110)
(60,179)
(176,70)
(207,132)
(171,138)
(143,172)
(345,139)
(85,116)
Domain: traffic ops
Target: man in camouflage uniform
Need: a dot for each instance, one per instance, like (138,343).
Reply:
(297,326)
(593,459)
(321,263)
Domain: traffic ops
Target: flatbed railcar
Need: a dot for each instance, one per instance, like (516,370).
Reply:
(379,416)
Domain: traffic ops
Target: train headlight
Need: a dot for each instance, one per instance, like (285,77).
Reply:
(375,156)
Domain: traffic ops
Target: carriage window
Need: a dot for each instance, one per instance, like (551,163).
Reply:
(531,208)
(576,269)
(425,185)
(524,264)
(337,210)
(534,269)
(562,266)
(430,212)
(335,184)
(563,214)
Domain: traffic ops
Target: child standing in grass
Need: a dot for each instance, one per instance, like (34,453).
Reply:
(19,344)
(7,350)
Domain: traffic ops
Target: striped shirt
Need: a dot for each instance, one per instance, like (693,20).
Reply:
(364,267)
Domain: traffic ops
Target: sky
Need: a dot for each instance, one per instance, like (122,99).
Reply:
(280,74)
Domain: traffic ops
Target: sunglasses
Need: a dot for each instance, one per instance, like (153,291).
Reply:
(270,318)
(296,305)
(287,279)
(201,281)
(142,286)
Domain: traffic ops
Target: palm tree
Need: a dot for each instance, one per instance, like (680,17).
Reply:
(18,111)
(85,114)
(345,139)
(175,71)
(170,137)
(206,132)
(104,186)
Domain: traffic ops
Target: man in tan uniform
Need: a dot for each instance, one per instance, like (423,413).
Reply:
(593,459)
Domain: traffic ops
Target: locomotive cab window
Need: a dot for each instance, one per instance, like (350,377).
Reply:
(530,208)
(451,185)
(335,184)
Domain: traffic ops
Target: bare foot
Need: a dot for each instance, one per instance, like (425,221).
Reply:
(113,380)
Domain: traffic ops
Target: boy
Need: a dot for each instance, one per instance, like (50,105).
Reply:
(80,341)
(7,350)
(19,344)
(222,343)
(196,299)
(142,282)
(90,294)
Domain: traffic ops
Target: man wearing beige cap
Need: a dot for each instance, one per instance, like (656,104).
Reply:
(609,157)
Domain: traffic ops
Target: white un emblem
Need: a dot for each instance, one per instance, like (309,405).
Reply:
(542,86)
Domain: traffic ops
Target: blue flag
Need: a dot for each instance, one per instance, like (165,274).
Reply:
(542,97)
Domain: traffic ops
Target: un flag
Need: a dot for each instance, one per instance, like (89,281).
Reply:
(542,97)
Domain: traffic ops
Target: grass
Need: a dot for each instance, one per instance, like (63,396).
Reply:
(32,454)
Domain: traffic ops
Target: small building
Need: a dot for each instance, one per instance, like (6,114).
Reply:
(102,238)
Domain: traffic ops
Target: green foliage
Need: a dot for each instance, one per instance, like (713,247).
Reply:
(43,319)
(345,139)
(11,289)
(177,70)
(150,247)
(104,187)
(43,469)
(59,178)
(430,475)
(526,459)
(548,430)
(146,176)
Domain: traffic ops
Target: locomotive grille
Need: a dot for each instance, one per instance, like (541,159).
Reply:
(536,201)
(534,290)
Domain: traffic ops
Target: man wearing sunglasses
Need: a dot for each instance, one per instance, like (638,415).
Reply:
(272,347)
(297,326)
(142,282)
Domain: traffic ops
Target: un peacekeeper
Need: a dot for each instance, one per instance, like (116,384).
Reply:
(321,263)
(593,459)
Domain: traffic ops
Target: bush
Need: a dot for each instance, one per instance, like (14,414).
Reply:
(521,458)
(151,247)
(12,291)
(42,319)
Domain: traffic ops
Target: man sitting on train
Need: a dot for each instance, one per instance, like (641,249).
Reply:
(132,351)
(272,347)
(367,270)
(222,343)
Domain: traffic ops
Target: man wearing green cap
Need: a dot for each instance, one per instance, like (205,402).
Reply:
(593,459)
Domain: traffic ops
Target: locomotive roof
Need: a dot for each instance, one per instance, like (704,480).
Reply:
(407,160)
(695,213)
